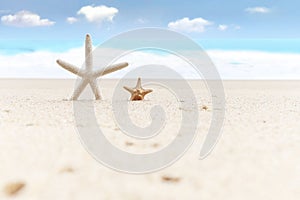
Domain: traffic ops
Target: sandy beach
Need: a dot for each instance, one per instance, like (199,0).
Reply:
(257,157)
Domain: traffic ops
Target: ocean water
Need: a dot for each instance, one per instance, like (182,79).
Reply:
(242,59)
(11,47)
(266,45)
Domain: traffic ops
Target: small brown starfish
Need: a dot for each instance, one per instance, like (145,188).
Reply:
(137,93)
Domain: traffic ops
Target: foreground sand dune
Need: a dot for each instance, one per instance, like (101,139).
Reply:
(256,158)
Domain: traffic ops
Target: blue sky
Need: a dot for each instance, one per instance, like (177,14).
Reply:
(244,38)
(221,19)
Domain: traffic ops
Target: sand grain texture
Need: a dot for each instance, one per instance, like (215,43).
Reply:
(256,158)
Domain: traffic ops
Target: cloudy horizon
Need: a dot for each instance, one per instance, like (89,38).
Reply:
(54,29)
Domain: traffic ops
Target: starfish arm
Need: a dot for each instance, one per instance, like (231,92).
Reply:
(139,83)
(110,69)
(80,87)
(132,98)
(88,53)
(70,67)
(95,88)
(129,89)
(147,91)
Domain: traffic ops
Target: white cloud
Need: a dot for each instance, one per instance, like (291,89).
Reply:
(230,64)
(222,27)
(98,14)
(141,21)
(262,10)
(237,27)
(187,25)
(71,20)
(251,65)
(25,19)
(39,64)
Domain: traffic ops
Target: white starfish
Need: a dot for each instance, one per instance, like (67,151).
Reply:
(88,76)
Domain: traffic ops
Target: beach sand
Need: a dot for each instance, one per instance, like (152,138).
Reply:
(257,157)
